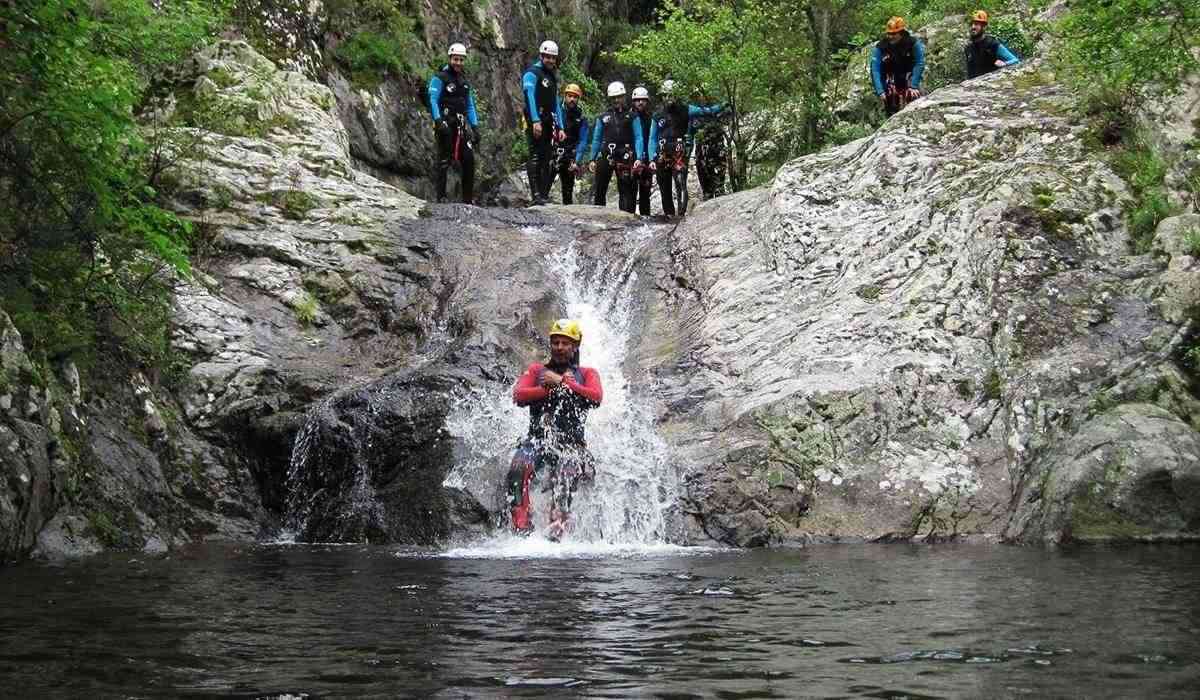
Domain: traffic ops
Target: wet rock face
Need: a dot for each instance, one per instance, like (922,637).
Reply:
(905,324)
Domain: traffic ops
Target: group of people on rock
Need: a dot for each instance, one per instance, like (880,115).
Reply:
(635,144)
(898,60)
(627,141)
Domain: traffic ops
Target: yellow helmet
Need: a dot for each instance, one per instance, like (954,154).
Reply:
(573,89)
(896,24)
(568,328)
(979,16)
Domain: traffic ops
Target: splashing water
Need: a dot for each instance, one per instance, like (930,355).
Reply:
(636,485)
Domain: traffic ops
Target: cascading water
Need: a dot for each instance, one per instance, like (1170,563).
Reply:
(635,489)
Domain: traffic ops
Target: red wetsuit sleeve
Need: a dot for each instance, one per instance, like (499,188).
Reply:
(528,390)
(590,388)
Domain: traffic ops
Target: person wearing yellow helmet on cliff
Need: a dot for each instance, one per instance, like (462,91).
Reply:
(559,393)
(897,65)
(569,152)
(984,53)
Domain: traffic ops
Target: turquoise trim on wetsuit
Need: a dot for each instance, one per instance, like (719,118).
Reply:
(917,72)
(583,140)
(639,141)
(1005,55)
(653,138)
(529,87)
(597,131)
(435,96)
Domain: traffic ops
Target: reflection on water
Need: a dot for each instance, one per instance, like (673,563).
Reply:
(496,620)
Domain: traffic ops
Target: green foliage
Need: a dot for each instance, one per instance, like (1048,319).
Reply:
(1144,170)
(86,249)
(1191,241)
(306,308)
(296,204)
(714,49)
(1131,42)
(377,38)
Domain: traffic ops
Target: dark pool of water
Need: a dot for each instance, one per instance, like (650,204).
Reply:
(836,622)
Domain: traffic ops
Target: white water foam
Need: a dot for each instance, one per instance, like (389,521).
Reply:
(535,547)
(636,485)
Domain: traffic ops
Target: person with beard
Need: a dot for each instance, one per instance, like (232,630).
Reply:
(613,150)
(543,119)
(455,123)
(984,52)
(897,65)
(559,395)
(676,120)
(569,153)
(643,167)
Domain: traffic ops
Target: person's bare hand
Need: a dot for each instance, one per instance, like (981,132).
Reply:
(1000,63)
(551,379)
(537,130)
(592,167)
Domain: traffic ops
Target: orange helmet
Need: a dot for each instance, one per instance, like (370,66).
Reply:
(979,16)
(573,89)
(896,24)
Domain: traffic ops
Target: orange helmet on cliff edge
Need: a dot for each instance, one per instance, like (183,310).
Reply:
(896,24)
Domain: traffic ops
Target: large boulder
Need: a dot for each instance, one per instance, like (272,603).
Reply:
(1133,471)
(903,324)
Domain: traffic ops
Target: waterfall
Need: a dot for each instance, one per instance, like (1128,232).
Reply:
(636,486)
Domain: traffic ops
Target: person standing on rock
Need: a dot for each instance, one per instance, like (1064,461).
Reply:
(559,395)
(613,150)
(543,119)
(643,167)
(568,154)
(984,53)
(897,65)
(672,136)
(455,123)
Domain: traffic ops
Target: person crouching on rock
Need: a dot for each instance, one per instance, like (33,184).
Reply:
(455,123)
(897,64)
(559,395)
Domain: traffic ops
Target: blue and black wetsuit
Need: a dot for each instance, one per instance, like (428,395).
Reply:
(982,53)
(570,151)
(613,150)
(643,127)
(672,129)
(452,106)
(542,105)
(896,68)
(709,137)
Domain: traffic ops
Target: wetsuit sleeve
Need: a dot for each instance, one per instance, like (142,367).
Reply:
(918,63)
(527,389)
(1005,55)
(435,96)
(639,140)
(596,132)
(877,69)
(558,112)
(590,388)
(653,145)
(583,140)
(529,87)
(472,115)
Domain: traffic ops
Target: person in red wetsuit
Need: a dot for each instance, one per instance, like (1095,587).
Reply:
(559,395)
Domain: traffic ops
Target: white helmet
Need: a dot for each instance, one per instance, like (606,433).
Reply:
(616,89)
(549,48)
(457,50)
(641,93)
(667,87)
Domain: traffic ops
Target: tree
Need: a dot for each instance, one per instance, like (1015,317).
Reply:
(714,49)
(85,245)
